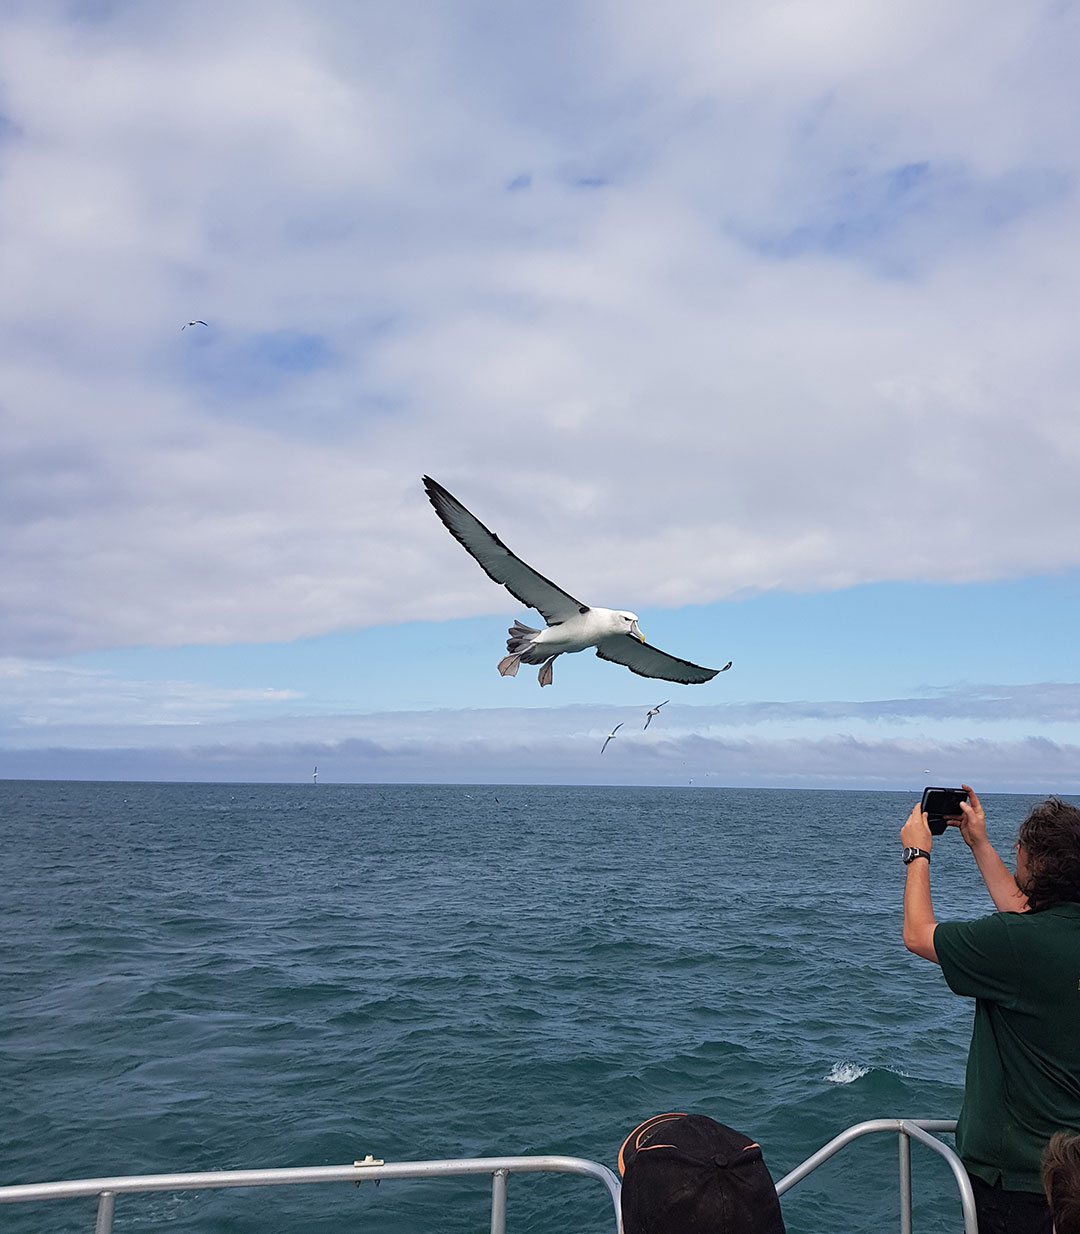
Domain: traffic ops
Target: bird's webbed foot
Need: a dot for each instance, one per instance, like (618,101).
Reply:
(509,665)
(545,675)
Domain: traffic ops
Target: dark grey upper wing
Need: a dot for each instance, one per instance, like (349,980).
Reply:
(648,661)
(498,562)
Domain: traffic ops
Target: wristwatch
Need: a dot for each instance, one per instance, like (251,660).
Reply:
(909,855)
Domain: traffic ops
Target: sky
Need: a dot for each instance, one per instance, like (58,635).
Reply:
(755,318)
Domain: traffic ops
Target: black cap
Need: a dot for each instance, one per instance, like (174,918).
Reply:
(687,1174)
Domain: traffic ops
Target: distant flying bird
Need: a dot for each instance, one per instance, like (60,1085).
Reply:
(315,775)
(193,323)
(655,711)
(571,625)
(610,737)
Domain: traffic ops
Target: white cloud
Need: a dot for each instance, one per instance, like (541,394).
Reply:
(619,367)
(54,720)
(38,696)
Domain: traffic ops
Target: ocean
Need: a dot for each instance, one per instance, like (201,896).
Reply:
(209,976)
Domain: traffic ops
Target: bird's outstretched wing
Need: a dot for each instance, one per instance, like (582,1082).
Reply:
(648,661)
(498,562)
(610,736)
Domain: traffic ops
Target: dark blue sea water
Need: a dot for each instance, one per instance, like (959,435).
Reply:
(223,976)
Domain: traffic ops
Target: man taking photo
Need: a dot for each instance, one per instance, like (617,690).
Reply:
(1022,967)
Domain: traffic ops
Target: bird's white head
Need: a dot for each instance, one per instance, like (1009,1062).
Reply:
(630,624)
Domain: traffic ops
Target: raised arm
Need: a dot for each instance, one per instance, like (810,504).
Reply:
(919,920)
(1007,896)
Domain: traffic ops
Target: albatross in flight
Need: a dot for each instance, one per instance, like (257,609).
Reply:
(571,625)
(610,736)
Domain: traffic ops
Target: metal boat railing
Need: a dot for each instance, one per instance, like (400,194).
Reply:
(906,1129)
(107,1189)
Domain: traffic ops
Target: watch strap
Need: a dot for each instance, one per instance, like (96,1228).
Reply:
(911,854)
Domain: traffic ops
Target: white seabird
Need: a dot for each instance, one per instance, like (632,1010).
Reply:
(571,625)
(610,736)
(194,323)
(655,711)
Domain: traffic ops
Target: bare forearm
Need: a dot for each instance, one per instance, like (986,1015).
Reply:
(1007,896)
(919,920)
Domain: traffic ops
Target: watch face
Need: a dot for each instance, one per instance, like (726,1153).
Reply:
(909,855)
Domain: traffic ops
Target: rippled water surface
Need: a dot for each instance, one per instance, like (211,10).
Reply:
(223,976)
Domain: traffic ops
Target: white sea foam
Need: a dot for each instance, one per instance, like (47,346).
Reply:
(844,1073)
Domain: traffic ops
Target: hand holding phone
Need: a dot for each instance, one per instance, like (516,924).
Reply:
(942,804)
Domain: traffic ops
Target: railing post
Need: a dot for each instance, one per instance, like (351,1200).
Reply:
(498,1202)
(905,1181)
(960,1174)
(105,1210)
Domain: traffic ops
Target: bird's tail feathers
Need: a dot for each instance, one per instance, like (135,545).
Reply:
(521,637)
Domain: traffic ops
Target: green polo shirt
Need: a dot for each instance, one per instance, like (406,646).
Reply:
(1023,1068)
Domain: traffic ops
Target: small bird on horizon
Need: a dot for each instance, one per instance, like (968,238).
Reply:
(193,323)
(610,737)
(655,711)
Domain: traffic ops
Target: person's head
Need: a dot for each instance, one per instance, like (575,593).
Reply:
(1048,855)
(1061,1181)
(686,1174)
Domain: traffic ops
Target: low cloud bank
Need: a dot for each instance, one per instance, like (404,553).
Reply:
(1033,764)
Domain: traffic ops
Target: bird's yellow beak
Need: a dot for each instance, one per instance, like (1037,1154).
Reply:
(634,630)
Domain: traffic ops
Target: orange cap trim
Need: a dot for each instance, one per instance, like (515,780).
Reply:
(637,1134)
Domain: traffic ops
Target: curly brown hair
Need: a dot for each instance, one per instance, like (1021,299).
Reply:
(1050,836)
(1061,1181)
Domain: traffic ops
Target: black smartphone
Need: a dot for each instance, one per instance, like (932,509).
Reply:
(940,804)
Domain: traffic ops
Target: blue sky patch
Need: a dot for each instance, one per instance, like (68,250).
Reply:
(290,351)
(257,365)
(912,214)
